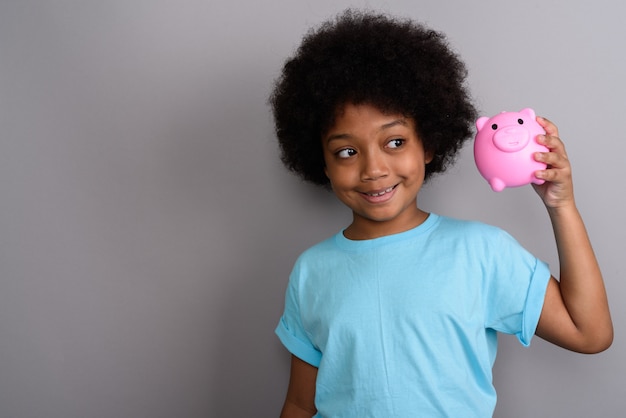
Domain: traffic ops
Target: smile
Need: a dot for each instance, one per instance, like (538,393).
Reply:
(381,193)
(379,196)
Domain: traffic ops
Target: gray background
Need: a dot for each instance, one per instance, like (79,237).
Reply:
(147,228)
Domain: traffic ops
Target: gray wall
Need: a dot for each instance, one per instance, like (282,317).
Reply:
(147,228)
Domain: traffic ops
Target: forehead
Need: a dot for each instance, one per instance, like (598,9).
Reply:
(366,116)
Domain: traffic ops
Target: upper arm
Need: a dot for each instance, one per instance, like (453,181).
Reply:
(557,326)
(300,400)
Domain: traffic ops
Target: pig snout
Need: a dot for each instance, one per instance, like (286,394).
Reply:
(511,138)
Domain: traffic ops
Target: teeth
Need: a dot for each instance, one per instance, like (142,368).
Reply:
(381,193)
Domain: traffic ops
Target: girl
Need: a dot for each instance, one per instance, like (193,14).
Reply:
(398,314)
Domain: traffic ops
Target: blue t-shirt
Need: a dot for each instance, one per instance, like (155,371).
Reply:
(405,325)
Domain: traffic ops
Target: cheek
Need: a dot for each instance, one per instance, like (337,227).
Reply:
(340,174)
(411,167)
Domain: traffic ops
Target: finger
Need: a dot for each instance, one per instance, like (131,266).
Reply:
(553,160)
(548,126)
(555,174)
(547,175)
(553,143)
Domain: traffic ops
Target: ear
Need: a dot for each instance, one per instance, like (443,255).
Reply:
(429,156)
(528,112)
(481,122)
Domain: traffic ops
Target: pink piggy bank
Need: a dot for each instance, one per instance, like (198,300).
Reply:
(504,148)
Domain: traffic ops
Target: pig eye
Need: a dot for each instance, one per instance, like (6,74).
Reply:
(520,121)
(494,126)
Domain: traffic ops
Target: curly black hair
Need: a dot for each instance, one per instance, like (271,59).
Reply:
(398,66)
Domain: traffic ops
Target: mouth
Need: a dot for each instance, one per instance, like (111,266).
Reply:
(381,192)
(379,196)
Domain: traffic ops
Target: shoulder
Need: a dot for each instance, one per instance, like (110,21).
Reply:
(323,247)
(322,250)
(468,228)
(474,237)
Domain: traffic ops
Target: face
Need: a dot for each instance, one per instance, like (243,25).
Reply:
(375,163)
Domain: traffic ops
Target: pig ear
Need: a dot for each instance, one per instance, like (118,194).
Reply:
(528,112)
(481,122)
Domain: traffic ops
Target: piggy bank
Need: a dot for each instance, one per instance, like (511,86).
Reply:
(504,148)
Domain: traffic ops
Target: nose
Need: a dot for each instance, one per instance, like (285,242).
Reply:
(374,166)
(511,139)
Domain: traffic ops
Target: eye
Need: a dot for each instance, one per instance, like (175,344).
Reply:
(396,143)
(494,126)
(520,121)
(345,153)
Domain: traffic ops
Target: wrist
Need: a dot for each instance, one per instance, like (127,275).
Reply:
(564,214)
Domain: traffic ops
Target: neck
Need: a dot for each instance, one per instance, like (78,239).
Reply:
(363,229)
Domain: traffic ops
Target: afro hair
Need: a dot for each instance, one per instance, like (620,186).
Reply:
(398,66)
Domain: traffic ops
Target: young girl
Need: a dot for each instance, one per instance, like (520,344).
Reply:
(398,314)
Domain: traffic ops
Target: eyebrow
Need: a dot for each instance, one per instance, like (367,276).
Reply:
(402,122)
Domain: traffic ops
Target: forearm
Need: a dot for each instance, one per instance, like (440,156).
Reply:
(292,410)
(300,400)
(581,284)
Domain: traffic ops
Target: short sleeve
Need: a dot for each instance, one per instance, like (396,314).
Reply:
(534,302)
(290,330)
(516,285)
